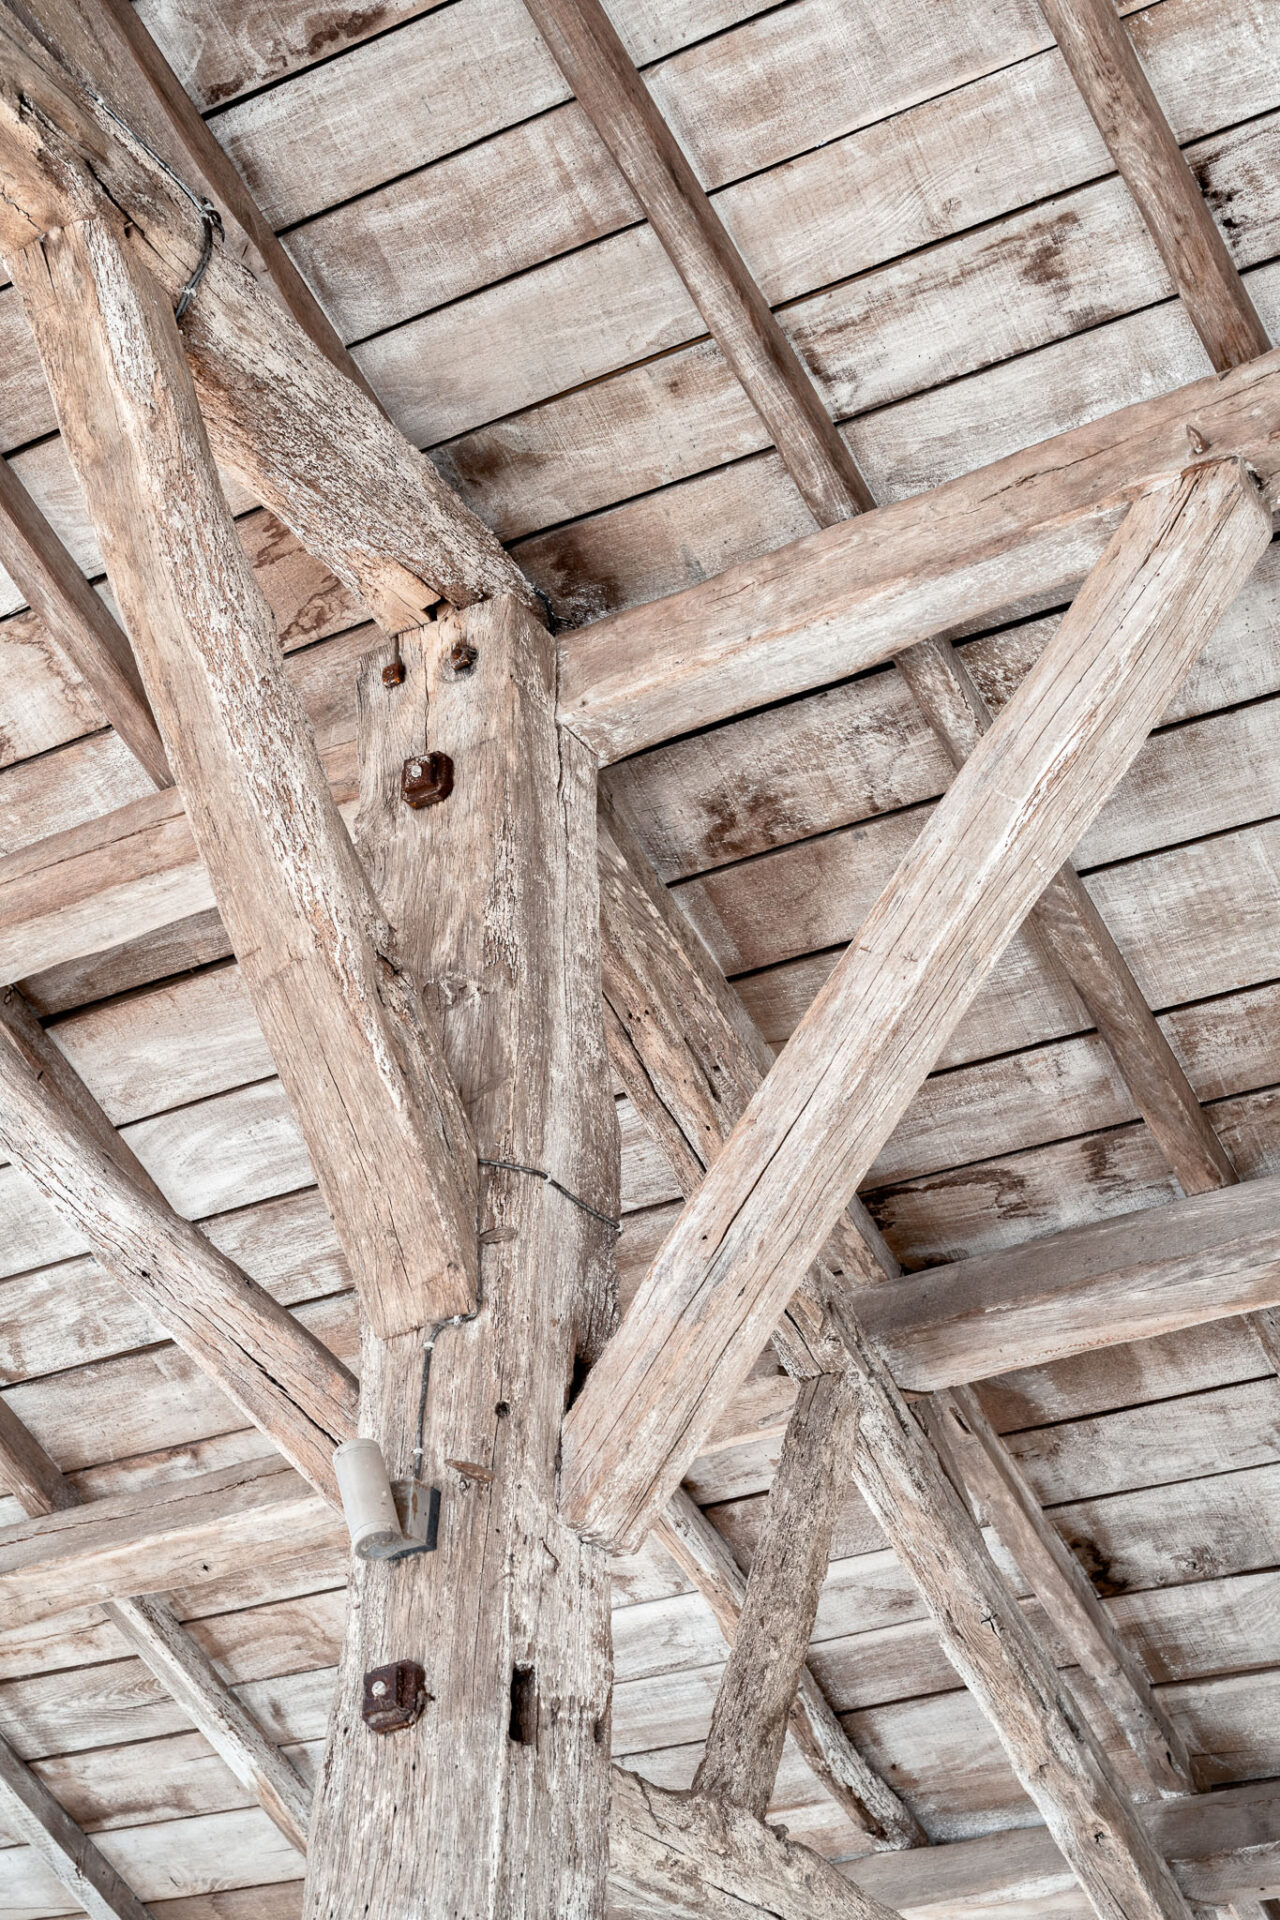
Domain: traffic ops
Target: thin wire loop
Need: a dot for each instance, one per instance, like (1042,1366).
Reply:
(209,215)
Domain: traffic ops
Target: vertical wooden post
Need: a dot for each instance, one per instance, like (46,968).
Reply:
(494,1805)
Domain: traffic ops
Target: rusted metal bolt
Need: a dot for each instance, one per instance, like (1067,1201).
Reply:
(393,676)
(460,659)
(427,780)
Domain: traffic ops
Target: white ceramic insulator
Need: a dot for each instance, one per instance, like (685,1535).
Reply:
(367,1500)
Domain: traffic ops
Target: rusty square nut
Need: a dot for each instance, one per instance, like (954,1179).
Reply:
(394,1696)
(426,779)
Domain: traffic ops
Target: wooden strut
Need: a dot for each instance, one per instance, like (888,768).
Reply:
(280,1375)
(751,1709)
(30,1813)
(296,903)
(149,1626)
(923,1519)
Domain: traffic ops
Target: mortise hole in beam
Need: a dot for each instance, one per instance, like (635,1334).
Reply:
(524,1707)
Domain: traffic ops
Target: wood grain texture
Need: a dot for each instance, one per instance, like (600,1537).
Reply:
(771,1642)
(493,898)
(837,601)
(999,1484)
(1131,1278)
(281,1376)
(149,1626)
(690,1537)
(29,1809)
(158,1537)
(1000,1660)
(300,435)
(187,1673)
(82,625)
(595,63)
(703,1859)
(290,889)
(740,1756)
(1019,804)
(110,49)
(1117,92)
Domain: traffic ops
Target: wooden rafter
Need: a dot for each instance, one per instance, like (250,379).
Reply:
(280,1375)
(29,1811)
(79,620)
(148,1625)
(596,65)
(986,1469)
(1096,46)
(108,47)
(1022,800)
(312,946)
(755,1698)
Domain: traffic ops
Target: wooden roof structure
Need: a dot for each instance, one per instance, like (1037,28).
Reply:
(701,576)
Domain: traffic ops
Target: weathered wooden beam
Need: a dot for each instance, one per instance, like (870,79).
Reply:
(1014,536)
(312,944)
(80,622)
(707,1860)
(770,1646)
(186,1672)
(281,1376)
(29,1811)
(705,1557)
(1222,1846)
(303,438)
(148,1625)
(1073,1781)
(1096,46)
(991,1475)
(175,1533)
(1037,778)
(107,46)
(592,58)
(493,898)
(991,1645)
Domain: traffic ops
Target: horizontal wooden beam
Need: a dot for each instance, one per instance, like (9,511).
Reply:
(1222,1846)
(169,1534)
(1134,1277)
(305,440)
(1015,536)
(724,1276)
(149,1626)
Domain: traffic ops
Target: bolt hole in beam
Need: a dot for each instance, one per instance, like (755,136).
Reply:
(524,1706)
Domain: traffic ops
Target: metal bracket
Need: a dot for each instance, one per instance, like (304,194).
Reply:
(418,1508)
(394,1696)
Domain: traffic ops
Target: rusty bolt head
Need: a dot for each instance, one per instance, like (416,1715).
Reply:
(394,1696)
(393,676)
(462,657)
(426,780)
